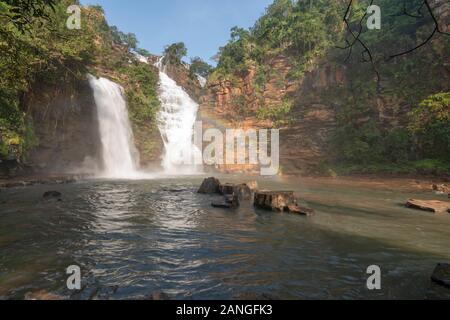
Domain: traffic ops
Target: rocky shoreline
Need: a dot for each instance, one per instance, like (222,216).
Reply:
(41,180)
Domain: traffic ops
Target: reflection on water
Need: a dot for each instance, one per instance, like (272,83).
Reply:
(146,236)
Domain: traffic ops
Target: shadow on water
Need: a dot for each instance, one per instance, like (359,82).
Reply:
(139,237)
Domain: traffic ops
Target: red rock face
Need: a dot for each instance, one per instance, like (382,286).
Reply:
(441,9)
(302,143)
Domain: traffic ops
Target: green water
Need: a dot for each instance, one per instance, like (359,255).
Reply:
(160,235)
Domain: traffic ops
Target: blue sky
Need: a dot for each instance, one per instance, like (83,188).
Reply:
(203,25)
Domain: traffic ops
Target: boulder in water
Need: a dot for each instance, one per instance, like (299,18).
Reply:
(243,190)
(253,186)
(49,195)
(227,188)
(210,186)
(441,275)
(274,200)
(230,202)
(429,205)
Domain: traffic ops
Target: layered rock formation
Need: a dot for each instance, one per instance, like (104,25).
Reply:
(66,127)
(303,139)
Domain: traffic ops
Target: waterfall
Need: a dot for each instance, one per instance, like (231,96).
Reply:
(118,150)
(176,123)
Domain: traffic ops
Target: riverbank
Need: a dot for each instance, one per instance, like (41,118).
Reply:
(387,182)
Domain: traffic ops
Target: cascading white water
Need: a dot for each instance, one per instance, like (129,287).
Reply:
(119,152)
(176,123)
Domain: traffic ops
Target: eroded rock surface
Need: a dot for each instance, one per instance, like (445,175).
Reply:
(429,205)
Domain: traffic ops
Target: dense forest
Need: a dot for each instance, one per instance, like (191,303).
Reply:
(415,85)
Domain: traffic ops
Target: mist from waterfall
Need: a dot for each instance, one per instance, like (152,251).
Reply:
(120,157)
(176,121)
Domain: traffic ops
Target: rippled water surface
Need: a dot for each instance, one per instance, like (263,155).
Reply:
(146,236)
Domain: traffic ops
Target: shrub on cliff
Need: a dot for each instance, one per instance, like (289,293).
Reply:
(430,125)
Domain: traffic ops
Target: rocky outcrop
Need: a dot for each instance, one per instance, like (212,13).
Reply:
(429,205)
(441,9)
(65,125)
(275,201)
(280,201)
(441,189)
(235,104)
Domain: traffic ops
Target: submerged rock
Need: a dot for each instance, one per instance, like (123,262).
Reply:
(157,296)
(49,195)
(210,186)
(253,296)
(300,210)
(441,275)
(42,295)
(221,205)
(274,200)
(244,191)
(429,205)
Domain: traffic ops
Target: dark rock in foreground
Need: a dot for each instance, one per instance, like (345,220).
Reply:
(42,295)
(441,275)
(52,195)
(429,205)
(210,186)
(158,296)
(252,296)
(275,201)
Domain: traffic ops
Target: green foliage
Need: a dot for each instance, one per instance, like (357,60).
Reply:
(200,67)
(142,95)
(44,51)
(422,167)
(430,125)
(119,37)
(143,52)
(174,53)
(21,13)
(280,115)
(297,28)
